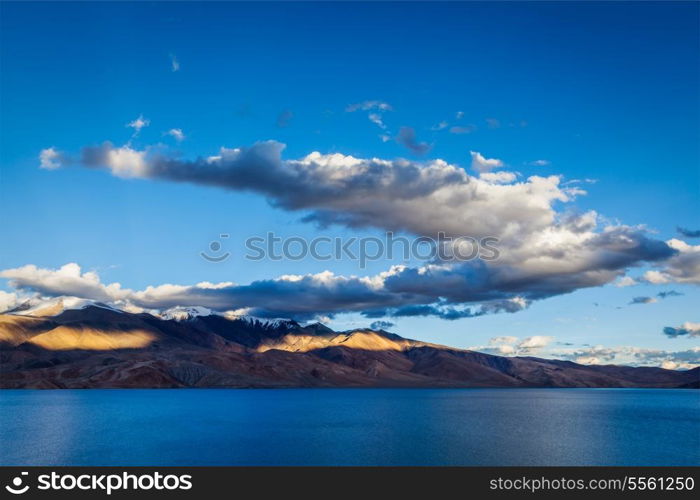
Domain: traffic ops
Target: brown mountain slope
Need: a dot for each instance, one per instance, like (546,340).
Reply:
(101,347)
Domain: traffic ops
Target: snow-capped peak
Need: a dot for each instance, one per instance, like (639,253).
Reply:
(180,313)
(269,323)
(37,306)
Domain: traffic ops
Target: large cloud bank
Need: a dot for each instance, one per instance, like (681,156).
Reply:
(546,248)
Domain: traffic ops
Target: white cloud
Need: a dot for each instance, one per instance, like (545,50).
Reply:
(513,346)
(534,343)
(481,164)
(177,134)
(656,277)
(542,251)
(67,280)
(440,126)
(625,281)
(376,118)
(49,159)
(540,163)
(138,124)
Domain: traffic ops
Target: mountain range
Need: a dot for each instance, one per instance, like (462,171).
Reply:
(97,346)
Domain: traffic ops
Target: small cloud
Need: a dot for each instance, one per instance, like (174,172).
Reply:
(174,63)
(687,329)
(177,134)
(670,293)
(688,233)
(368,106)
(642,300)
(377,109)
(481,164)
(467,129)
(493,123)
(284,118)
(440,126)
(385,137)
(534,343)
(138,124)
(407,137)
(381,325)
(49,159)
(540,163)
(376,118)
(656,277)
(459,115)
(626,281)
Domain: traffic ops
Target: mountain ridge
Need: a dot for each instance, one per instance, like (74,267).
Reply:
(101,347)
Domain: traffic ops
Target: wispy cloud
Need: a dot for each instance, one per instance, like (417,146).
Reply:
(368,106)
(174,63)
(375,114)
(177,134)
(376,118)
(138,124)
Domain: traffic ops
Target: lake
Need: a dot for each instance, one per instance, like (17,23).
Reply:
(350,427)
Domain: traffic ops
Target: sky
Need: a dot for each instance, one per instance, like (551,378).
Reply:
(134,135)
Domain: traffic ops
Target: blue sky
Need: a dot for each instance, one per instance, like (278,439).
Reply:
(607,92)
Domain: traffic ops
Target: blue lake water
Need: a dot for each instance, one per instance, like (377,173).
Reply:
(350,427)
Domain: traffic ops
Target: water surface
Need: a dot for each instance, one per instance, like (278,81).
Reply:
(350,427)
